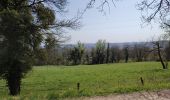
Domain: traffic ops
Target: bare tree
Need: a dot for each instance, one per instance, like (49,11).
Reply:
(113,54)
(158,46)
(139,52)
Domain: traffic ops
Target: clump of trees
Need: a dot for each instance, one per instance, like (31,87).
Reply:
(76,54)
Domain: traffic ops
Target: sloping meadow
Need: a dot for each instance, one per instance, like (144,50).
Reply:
(58,82)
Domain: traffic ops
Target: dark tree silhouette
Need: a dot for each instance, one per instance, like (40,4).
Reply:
(23,26)
(126,53)
(108,53)
(158,48)
(113,54)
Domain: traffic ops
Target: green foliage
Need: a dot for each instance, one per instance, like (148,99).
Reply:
(24,24)
(17,57)
(45,15)
(41,57)
(76,53)
(14,27)
(100,51)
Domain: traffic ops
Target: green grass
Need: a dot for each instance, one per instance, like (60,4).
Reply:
(57,82)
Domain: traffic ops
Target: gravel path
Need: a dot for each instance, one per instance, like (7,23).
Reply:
(160,95)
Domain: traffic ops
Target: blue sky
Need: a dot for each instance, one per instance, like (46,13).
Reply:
(121,24)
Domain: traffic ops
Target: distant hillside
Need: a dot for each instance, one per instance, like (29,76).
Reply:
(120,45)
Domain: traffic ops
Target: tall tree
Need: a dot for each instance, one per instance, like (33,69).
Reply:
(167,50)
(100,51)
(118,54)
(108,53)
(126,53)
(50,49)
(139,52)
(77,53)
(158,47)
(113,54)
(93,56)
(23,26)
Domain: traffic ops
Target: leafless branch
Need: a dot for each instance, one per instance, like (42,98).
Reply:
(152,9)
(101,7)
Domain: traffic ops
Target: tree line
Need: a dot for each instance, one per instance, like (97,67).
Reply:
(103,53)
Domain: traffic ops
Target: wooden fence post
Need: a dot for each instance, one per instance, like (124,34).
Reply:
(142,81)
(78,86)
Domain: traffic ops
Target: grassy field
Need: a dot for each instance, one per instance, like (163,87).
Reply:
(53,82)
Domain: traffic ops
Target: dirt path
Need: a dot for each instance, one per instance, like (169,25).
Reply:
(160,95)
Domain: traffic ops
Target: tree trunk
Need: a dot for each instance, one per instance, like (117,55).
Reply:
(14,83)
(160,57)
(126,58)
(14,79)
(107,53)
